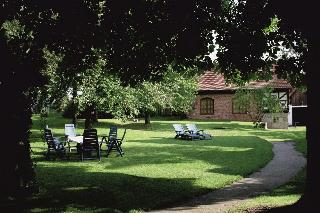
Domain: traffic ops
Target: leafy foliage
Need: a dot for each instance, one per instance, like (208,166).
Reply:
(254,35)
(140,39)
(181,90)
(175,91)
(257,102)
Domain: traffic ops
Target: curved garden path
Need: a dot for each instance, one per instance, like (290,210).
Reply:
(284,165)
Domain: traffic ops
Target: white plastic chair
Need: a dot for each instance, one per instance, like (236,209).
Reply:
(70,131)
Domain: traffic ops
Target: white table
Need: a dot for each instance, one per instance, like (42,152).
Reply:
(78,139)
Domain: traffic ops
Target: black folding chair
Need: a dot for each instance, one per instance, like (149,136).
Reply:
(115,143)
(90,143)
(55,147)
(113,133)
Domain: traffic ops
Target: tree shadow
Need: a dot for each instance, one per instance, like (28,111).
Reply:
(65,186)
(229,154)
(111,191)
(217,141)
(71,187)
(243,190)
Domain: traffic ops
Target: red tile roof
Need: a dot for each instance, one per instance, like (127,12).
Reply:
(215,81)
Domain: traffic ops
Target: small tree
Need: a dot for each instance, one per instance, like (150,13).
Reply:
(104,92)
(181,90)
(257,102)
(176,91)
(150,95)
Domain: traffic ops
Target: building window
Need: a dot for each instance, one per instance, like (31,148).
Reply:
(206,106)
(283,98)
(237,108)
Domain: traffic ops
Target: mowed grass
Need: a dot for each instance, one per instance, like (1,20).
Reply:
(287,194)
(156,170)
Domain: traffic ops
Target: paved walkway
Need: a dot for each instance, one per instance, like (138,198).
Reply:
(285,165)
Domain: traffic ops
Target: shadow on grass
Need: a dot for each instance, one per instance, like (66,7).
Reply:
(294,186)
(217,141)
(74,188)
(244,190)
(67,187)
(232,155)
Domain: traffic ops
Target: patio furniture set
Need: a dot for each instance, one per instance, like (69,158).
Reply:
(88,142)
(84,145)
(192,132)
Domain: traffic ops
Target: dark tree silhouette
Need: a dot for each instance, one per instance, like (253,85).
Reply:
(139,39)
(242,43)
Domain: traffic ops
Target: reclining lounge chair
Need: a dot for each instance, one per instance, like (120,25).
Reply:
(192,128)
(183,134)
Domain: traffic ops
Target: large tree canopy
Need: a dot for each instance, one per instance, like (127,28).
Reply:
(253,35)
(249,35)
(138,38)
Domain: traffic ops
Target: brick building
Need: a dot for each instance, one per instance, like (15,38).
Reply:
(215,97)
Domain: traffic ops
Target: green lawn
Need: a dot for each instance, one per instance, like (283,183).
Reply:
(156,171)
(284,195)
(287,194)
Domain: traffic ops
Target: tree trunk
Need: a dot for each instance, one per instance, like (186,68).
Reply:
(95,115)
(88,123)
(146,118)
(17,170)
(313,137)
(74,119)
(74,105)
(309,200)
(91,117)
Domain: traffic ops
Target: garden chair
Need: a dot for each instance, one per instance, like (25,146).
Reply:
(192,128)
(90,144)
(69,130)
(183,134)
(113,133)
(55,146)
(180,132)
(114,143)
